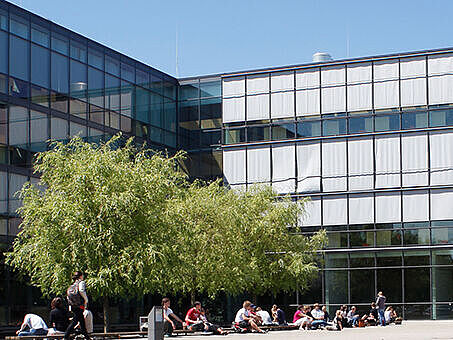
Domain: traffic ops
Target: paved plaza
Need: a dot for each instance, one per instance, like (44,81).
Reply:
(409,330)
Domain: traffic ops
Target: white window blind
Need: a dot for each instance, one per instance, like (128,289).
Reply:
(386,95)
(440,89)
(441,203)
(333,99)
(258,107)
(415,159)
(413,67)
(282,81)
(359,73)
(359,97)
(258,164)
(441,157)
(234,166)
(360,163)
(307,102)
(312,215)
(413,92)
(282,104)
(415,206)
(334,165)
(387,149)
(284,168)
(309,167)
(335,75)
(388,207)
(307,79)
(233,87)
(233,109)
(361,208)
(386,70)
(440,64)
(3,192)
(335,210)
(257,84)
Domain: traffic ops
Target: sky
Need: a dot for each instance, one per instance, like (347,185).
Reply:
(187,38)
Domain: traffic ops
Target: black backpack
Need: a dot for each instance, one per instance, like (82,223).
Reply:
(73,295)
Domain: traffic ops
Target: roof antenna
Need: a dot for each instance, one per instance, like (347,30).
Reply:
(176,56)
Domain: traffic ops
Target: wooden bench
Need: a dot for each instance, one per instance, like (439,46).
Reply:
(109,335)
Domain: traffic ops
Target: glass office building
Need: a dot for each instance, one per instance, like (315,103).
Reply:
(370,140)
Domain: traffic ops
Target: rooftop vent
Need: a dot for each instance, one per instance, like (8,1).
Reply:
(320,57)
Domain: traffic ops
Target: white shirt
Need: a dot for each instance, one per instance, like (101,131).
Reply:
(387,315)
(168,311)
(34,321)
(265,317)
(240,315)
(317,314)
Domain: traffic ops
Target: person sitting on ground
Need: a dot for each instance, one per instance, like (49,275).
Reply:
(306,320)
(32,325)
(264,315)
(371,319)
(390,315)
(59,317)
(344,311)
(246,319)
(298,315)
(318,317)
(274,313)
(326,314)
(281,318)
(210,327)
(353,317)
(170,318)
(193,320)
(339,320)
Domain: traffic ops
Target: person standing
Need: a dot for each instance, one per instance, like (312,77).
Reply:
(78,302)
(380,306)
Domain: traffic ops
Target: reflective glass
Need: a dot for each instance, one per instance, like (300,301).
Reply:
(78,108)
(188,91)
(416,236)
(95,58)
(336,286)
(416,258)
(39,96)
(233,136)
(96,87)
(78,80)
(3,123)
(19,88)
(126,124)
(333,127)
(389,281)
(127,91)
(283,131)
(443,257)
(169,90)
(170,139)
(413,120)
(188,118)
(156,84)
(361,259)
(443,284)
(40,35)
(388,238)
(78,51)
(211,113)
(156,110)
(362,286)
(309,129)
(3,84)
(209,138)
(58,128)
(337,240)
(19,58)
(141,78)
(170,116)
(112,93)
(112,65)
(339,260)
(442,235)
(18,26)
(40,65)
(416,285)
(387,123)
(412,225)
(210,89)
(155,134)
(60,73)
(388,225)
(38,131)
(142,105)
(96,114)
(18,126)
(441,117)
(3,52)
(360,124)
(59,101)
(60,44)
(389,259)
(258,133)
(3,20)
(127,72)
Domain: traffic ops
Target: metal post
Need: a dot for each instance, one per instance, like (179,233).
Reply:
(156,323)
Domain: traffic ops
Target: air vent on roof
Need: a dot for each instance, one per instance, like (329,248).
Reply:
(320,57)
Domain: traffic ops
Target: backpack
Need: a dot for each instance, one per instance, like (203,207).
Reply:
(73,295)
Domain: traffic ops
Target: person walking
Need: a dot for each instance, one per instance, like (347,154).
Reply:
(78,302)
(380,306)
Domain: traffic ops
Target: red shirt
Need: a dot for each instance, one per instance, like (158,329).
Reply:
(193,314)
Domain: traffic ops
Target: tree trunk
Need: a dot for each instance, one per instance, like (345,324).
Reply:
(106,309)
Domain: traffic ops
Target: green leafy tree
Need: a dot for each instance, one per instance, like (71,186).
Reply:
(98,209)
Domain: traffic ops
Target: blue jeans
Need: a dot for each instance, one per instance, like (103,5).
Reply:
(316,323)
(381,317)
(38,331)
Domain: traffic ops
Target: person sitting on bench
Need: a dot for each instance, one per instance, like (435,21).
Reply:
(170,318)
(246,319)
(32,325)
(196,320)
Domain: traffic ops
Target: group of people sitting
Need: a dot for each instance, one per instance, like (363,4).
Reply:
(251,317)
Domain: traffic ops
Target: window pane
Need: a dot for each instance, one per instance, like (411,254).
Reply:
(336,286)
(95,58)
(3,52)
(39,95)
(188,91)
(388,238)
(441,118)
(38,131)
(3,20)
(142,105)
(59,102)
(415,120)
(96,87)
(141,78)
(389,281)
(336,260)
(360,124)
(442,236)
(169,90)
(127,72)
(156,84)
(416,236)
(19,26)
(18,126)
(40,65)
(58,128)
(170,117)
(40,35)
(309,129)
(442,284)
(60,44)
(209,138)
(127,91)
(337,240)
(363,260)
(211,113)
(78,51)
(18,56)
(3,84)
(333,127)
(387,123)
(112,65)
(260,133)
(233,136)
(78,80)
(416,285)
(3,123)
(157,110)
(112,93)
(210,89)
(283,131)
(362,286)
(443,257)
(389,259)
(18,88)
(416,258)
(60,73)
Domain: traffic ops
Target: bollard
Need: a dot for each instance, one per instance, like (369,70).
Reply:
(156,323)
